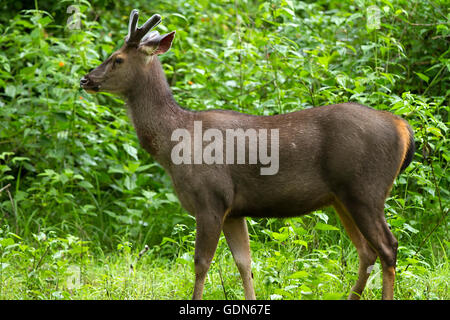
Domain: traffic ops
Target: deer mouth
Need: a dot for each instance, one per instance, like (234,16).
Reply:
(89,85)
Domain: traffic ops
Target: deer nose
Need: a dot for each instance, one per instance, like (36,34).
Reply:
(84,81)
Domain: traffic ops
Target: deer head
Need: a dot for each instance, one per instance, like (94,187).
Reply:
(119,73)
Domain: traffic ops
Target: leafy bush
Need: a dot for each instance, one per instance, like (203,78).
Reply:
(76,170)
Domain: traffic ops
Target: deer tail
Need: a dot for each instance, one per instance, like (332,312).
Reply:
(407,139)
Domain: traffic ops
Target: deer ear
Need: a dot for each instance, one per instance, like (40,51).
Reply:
(158,44)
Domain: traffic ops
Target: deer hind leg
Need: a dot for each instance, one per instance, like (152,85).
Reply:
(371,222)
(367,255)
(236,234)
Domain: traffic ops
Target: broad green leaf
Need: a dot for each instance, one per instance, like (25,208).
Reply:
(299,274)
(422,76)
(132,151)
(324,227)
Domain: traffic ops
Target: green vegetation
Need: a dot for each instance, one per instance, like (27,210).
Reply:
(80,198)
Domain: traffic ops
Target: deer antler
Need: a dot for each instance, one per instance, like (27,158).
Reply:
(136,34)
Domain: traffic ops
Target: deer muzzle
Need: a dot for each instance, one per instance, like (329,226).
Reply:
(87,84)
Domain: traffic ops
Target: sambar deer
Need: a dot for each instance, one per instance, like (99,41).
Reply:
(345,155)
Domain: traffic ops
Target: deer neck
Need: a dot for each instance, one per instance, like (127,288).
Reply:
(154,112)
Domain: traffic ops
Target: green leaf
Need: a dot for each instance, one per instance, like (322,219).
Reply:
(3,266)
(167,239)
(333,296)
(299,274)
(10,91)
(280,236)
(434,131)
(130,182)
(85,184)
(171,197)
(422,76)
(410,229)
(179,16)
(132,151)
(290,12)
(6,242)
(325,227)
(185,258)
(301,242)
(145,167)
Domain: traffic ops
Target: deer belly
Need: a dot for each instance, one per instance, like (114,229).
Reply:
(276,205)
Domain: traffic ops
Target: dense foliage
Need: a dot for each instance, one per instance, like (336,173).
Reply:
(80,198)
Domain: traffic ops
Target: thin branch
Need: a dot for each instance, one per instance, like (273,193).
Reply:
(13,207)
(439,37)
(5,187)
(422,24)
(42,257)
(141,253)
(223,285)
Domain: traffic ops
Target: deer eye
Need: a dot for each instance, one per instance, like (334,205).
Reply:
(118,61)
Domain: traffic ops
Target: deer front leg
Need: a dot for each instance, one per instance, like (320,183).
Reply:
(236,234)
(209,227)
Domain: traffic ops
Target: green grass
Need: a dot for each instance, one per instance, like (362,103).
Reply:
(66,269)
